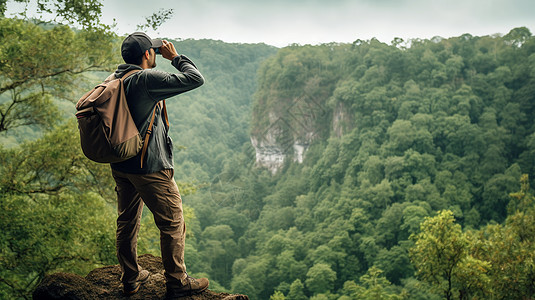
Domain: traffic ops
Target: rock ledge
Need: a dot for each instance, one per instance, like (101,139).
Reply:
(104,283)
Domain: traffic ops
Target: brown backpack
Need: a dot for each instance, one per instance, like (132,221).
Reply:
(108,133)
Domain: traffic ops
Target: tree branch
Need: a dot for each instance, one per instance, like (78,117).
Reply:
(18,83)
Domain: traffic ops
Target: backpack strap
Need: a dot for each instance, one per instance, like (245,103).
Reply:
(147,136)
(112,75)
(127,74)
(149,130)
(164,110)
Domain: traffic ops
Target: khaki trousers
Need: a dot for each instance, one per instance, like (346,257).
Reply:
(160,193)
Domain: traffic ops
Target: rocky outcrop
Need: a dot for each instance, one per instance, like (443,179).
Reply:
(273,155)
(104,283)
(289,133)
(342,121)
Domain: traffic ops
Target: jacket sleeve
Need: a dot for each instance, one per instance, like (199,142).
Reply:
(162,85)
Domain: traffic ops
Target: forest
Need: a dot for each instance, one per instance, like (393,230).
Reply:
(415,182)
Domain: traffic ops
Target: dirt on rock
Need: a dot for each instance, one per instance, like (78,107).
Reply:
(104,283)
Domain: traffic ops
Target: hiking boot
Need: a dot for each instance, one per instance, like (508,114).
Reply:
(190,286)
(132,288)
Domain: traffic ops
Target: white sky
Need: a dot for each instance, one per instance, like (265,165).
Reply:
(283,22)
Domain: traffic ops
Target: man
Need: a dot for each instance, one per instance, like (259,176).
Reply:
(149,180)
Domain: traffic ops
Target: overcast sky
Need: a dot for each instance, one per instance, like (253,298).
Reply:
(283,22)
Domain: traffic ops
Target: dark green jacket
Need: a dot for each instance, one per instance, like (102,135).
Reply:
(144,89)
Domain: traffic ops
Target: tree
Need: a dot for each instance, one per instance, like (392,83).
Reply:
(278,295)
(289,268)
(320,278)
(80,12)
(296,291)
(54,212)
(510,247)
(496,193)
(373,286)
(220,250)
(395,262)
(244,285)
(441,257)
(517,36)
(43,64)
(251,280)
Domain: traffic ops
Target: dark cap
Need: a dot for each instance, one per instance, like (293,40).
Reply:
(136,44)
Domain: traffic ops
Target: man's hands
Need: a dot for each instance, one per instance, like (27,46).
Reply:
(168,50)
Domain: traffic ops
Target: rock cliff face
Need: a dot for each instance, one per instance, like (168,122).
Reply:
(342,120)
(104,283)
(295,104)
(272,155)
(287,133)
(272,150)
(288,129)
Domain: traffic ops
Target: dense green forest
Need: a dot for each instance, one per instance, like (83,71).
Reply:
(396,133)
(414,183)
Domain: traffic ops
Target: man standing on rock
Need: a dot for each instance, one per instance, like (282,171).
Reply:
(149,180)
